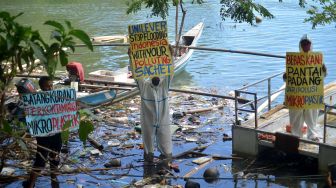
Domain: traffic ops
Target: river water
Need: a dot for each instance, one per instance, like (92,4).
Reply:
(205,69)
(208,70)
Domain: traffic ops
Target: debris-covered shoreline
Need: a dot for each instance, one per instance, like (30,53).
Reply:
(113,156)
(117,136)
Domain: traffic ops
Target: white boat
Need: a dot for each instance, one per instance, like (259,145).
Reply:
(122,78)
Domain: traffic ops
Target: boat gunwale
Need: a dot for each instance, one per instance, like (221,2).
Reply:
(179,66)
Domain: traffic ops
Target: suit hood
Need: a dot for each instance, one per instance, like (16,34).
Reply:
(305,37)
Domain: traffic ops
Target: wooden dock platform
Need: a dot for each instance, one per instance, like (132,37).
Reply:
(271,130)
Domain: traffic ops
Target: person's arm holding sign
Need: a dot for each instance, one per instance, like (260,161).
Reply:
(166,79)
(324,69)
(139,81)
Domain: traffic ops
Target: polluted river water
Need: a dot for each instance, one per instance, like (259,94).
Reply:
(209,71)
(116,158)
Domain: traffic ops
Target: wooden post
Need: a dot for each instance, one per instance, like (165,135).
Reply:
(176,22)
(180,32)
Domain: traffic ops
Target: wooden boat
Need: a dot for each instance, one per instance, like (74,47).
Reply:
(108,87)
(109,80)
(110,39)
(98,98)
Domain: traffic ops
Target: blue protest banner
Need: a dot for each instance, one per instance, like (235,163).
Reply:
(46,112)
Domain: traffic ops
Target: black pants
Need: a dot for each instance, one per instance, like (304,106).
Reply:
(53,143)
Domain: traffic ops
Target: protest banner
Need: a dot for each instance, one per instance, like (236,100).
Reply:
(150,53)
(46,112)
(305,78)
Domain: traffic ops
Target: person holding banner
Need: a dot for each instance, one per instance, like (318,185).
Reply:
(16,109)
(155,116)
(52,142)
(155,120)
(297,116)
(152,66)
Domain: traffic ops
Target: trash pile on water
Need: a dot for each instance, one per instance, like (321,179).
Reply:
(114,153)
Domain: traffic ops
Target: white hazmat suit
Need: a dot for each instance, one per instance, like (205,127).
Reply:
(155,120)
(298,116)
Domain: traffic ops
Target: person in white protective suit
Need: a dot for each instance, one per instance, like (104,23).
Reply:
(297,117)
(155,120)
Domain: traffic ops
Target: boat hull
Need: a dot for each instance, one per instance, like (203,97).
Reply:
(98,98)
(180,63)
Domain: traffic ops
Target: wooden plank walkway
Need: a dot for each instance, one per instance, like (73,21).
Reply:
(276,120)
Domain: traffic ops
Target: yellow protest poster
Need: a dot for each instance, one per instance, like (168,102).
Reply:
(305,78)
(150,53)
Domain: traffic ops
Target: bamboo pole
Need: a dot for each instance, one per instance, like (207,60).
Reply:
(189,151)
(215,156)
(95,143)
(90,86)
(234,51)
(196,169)
(240,100)
(194,111)
(205,49)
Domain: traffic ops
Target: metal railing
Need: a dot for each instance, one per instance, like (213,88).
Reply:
(327,109)
(256,100)
(237,108)
(238,92)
